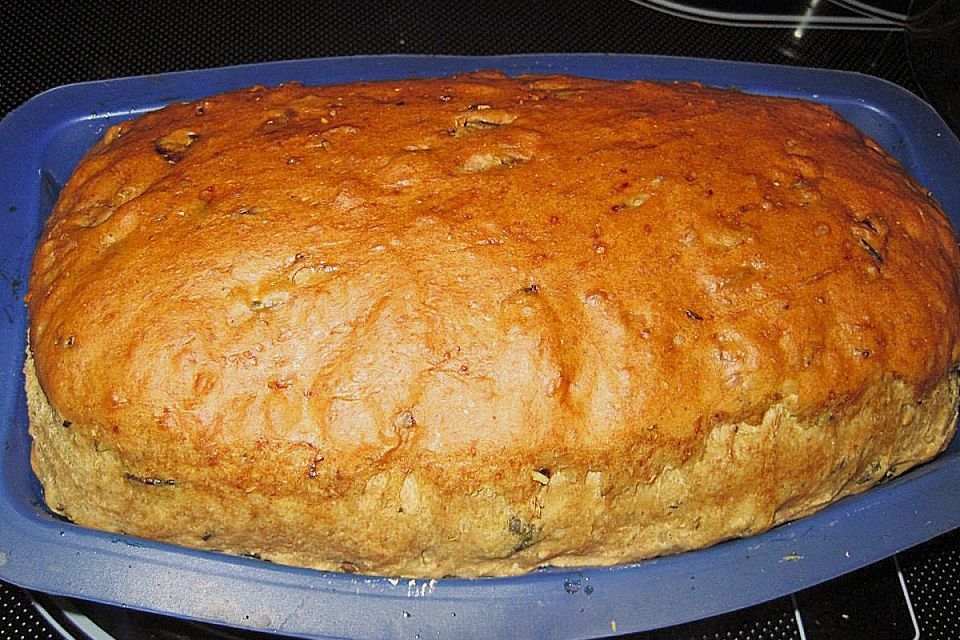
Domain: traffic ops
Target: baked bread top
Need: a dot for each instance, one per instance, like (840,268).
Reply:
(530,262)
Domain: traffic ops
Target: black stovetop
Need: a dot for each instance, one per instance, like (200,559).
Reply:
(914,594)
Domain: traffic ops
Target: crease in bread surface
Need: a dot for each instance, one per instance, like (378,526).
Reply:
(476,325)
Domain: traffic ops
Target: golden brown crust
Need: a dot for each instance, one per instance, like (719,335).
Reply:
(459,302)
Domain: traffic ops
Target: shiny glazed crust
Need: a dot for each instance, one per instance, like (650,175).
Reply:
(475,325)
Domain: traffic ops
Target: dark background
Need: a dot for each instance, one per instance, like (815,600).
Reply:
(46,47)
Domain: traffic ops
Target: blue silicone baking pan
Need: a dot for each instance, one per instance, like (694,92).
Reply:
(42,141)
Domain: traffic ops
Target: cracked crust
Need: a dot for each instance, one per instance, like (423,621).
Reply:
(474,325)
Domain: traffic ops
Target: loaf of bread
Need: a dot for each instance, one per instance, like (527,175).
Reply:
(477,325)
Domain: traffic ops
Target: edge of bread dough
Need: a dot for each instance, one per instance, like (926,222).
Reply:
(746,479)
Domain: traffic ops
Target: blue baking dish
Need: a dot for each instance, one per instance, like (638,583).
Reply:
(42,141)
